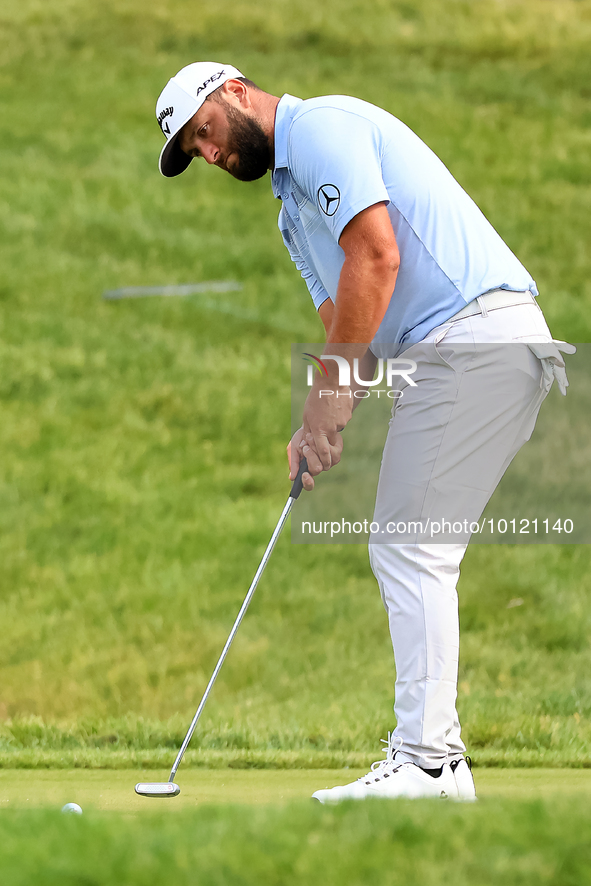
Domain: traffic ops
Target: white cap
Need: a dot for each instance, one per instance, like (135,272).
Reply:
(180,99)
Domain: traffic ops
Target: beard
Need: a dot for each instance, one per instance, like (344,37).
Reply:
(250,144)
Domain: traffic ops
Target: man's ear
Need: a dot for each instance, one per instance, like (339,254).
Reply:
(237,93)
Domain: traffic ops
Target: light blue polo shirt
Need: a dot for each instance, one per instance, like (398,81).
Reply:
(334,157)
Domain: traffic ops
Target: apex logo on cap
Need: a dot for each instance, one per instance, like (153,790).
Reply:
(211,79)
(167,112)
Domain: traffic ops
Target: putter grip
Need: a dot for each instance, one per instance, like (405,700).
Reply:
(297,483)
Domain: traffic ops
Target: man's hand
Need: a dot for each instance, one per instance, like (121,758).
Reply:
(299,448)
(327,411)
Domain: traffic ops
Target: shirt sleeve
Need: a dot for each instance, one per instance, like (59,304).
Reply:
(315,288)
(335,157)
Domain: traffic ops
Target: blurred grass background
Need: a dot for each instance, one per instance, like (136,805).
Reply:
(143,464)
(517,842)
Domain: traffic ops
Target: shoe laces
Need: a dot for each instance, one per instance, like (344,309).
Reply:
(382,768)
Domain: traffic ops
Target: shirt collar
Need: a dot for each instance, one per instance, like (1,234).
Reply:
(285,113)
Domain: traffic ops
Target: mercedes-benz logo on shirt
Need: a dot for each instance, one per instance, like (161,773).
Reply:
(329,198)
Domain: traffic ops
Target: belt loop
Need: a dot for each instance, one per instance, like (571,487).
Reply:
(534,299)
(482,306)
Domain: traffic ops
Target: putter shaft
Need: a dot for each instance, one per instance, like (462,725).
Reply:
(295,491)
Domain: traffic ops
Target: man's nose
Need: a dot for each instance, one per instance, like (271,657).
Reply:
(209,153)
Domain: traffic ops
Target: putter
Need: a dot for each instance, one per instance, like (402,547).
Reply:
(169,788)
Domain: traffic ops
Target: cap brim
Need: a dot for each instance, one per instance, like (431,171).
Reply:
(173,161)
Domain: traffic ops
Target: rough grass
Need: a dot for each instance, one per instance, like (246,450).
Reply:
(143,442)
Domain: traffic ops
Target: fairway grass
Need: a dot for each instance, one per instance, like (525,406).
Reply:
(114,791)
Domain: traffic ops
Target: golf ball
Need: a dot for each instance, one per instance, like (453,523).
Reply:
(72,809)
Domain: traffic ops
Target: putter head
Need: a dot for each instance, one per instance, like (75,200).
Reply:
(157,789)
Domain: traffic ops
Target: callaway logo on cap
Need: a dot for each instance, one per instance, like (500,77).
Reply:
(180,99)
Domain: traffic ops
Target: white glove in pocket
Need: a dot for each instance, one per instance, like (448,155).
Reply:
(553,367)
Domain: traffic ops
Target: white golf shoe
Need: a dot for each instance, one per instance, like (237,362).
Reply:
(462,770)
(393,777)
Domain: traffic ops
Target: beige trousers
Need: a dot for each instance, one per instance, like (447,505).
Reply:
(479,389)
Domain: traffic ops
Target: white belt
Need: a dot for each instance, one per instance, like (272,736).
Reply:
(492,301)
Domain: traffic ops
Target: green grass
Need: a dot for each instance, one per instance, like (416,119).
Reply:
(143,464)
(108,791)
(516,841)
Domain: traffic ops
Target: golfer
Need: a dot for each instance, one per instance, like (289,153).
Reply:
(400,263)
